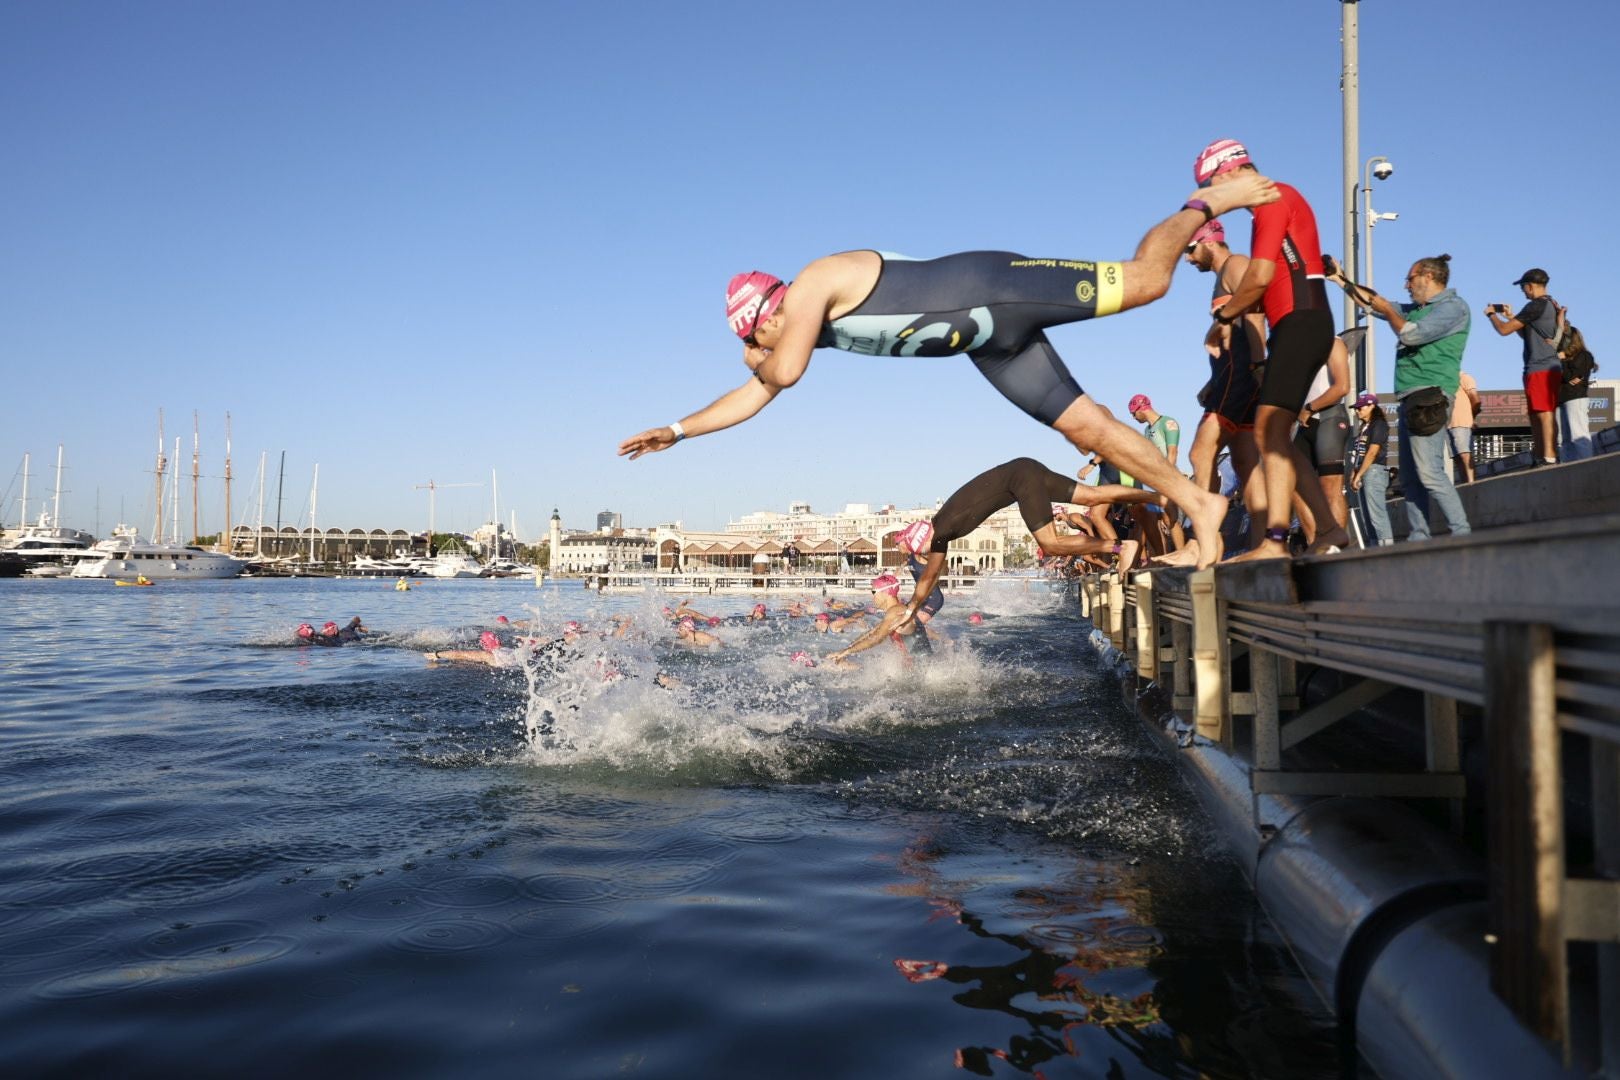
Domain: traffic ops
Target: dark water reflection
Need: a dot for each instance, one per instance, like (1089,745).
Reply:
(220,853)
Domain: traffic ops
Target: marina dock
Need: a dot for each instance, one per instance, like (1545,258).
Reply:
(1414,751)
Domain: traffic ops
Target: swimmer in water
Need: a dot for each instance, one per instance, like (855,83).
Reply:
(886,595)
(687,633)
(993,306)
(1034,488)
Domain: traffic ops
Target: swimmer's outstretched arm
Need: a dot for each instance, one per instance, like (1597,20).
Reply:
(891,621)
(727,411)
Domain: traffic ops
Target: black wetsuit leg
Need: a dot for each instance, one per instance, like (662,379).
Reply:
(1025,481)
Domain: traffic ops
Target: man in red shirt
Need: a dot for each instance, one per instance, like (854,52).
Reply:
(1284,277)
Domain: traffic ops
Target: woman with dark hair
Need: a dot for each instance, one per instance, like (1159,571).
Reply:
(1371,477)
(1574,423)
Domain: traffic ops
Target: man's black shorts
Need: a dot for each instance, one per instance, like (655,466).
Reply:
(1299,345)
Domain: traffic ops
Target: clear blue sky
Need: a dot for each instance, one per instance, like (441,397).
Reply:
(413,241)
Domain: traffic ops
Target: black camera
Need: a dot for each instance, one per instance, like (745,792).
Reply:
(1329,267)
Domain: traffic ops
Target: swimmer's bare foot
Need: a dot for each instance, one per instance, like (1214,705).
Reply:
(1207,513)
(1329,543)
(1127,556)
(1187,556)
(1266,549)
(1250,189)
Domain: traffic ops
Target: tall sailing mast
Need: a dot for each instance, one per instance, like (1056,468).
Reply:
(258,533)
(175,502)
(196,450)
(25,491)
(56,500)
(162,464)
(229,545)
(314,494)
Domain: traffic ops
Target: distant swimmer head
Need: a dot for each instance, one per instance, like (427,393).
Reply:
(752,298)
(976,619)
(887,583)
(356,624)
(823,617)
(1138,403)
(329,628)
(802,659)
(502,619)
(713,620)
(572,627)
(305,630)
(488,641)
(1219,157)
(759,609)
(916,537)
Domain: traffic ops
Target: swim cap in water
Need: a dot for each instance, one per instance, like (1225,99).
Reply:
(572,627)
(759,609)
(329,627)
(688,625)
(887,583)
(489,641)
(823,617)
(305,630)
(916,536)
(502,619)
(1220,156)
(1140,401)
(752,298)
(802,658)
(975,618)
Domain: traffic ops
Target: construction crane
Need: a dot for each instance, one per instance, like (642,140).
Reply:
(433,490)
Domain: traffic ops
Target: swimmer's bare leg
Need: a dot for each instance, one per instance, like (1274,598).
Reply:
(1089,428)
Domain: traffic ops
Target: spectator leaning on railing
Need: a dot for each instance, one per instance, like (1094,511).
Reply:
(1575,443)
(1432,331)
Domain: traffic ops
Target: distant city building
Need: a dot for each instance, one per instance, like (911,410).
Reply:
(612,552)
(607,521)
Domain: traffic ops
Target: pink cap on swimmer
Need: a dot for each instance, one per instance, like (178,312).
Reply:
(488,641)
(887,583)
(823,617)
(802,658)
(571,627)
(1210,232)
(759,609)
(1140,401)
(916,537)
(305,630)
(329,626)
(976,619)
(1220,156)
(502,619)
(752,298)
(713,620)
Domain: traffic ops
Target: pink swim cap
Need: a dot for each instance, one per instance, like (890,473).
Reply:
(752,298)
(802,658)
(975,618)
(1140,401)
(1210,232)
(572,627)
(887,583)
(329,626)
(305,630)
(489,641)
(1220,156)
(917,536)
(759,607)
(714,620)
(502,619)
(688,624)
(823,617)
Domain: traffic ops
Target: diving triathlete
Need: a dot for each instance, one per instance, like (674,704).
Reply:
(895,624)
(993,306)
(1034,488)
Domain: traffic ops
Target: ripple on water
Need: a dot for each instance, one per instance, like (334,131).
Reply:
(572,887)
(29,955)
(174,954)
(484,890)
(450,934)
(561,921)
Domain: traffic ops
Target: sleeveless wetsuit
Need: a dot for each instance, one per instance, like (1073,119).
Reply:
(936,599)
(1025,481)
(1232,391)
(991,305)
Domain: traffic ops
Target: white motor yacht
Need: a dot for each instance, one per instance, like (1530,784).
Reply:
(125,556)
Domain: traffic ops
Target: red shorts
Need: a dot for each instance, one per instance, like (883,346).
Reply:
(1541,389)
(1227,425)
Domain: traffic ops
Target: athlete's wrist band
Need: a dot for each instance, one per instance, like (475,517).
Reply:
(1225,320)
(1200,205)
(680,432)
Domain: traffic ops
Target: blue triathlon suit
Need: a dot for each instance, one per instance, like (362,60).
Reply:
(992,305)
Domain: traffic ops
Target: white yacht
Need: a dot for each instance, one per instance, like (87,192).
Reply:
(452,562)
(49,547)
(125,557)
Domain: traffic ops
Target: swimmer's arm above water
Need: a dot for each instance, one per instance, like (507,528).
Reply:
(891,622)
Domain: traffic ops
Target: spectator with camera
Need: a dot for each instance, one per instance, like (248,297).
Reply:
(1537,325)
(1431,333)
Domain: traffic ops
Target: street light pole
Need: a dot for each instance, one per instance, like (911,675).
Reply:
(1350,94)
(1369,219)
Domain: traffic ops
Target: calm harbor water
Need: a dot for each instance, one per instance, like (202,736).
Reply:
(222,852)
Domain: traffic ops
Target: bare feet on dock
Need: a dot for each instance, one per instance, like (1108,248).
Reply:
(1266,549)
(1329,543)
(1207,514)
(1249,189)
(1186,556)
(1127,556)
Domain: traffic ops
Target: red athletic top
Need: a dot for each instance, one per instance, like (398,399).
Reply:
(1285,233)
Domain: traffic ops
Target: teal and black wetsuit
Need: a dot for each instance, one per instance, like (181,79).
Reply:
(992,305)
